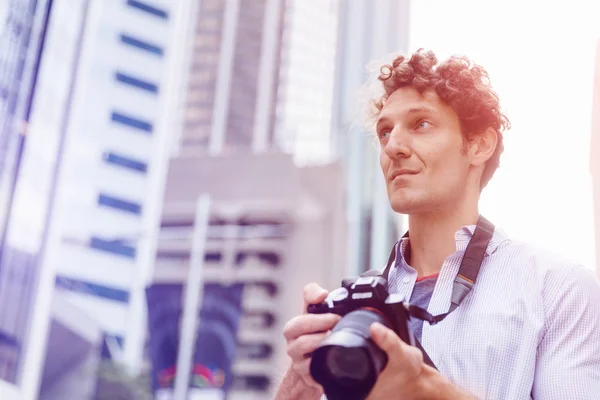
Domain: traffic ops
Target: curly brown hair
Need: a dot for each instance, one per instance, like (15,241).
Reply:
(458,82)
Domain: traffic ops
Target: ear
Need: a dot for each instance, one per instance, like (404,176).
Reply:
(482,147)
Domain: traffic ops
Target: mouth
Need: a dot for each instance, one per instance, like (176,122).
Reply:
(402,173)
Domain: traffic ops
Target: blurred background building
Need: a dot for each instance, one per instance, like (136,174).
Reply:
(115,90)
(366,33)
(117,116)
(89,175)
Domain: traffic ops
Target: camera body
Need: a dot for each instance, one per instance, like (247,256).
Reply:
(348,362)
(371,293)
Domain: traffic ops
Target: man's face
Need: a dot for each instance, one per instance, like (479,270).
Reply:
(422,153)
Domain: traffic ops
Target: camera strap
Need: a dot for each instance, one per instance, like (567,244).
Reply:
(467,273)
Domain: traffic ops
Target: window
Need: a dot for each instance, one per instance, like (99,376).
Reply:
(119,204)
(116,247)
(136,82)
(125,162)
(131,122)
(157,12)
(140,44)
(93,289)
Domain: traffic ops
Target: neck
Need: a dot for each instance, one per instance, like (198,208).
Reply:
(432,236)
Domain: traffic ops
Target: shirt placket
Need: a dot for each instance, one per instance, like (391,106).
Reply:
(404,280)
(440,302)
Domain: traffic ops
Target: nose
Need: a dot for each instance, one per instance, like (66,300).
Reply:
(397,145)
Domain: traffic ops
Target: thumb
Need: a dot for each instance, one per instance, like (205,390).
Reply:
(314,294)
(386,339)
(396,349)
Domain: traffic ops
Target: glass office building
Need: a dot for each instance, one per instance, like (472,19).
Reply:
(88,135)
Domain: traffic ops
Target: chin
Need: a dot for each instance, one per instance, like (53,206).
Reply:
(404,207)
(406,210)
(407,204)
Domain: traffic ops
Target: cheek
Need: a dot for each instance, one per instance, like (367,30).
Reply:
(451,176)
(384,162)
(446,170)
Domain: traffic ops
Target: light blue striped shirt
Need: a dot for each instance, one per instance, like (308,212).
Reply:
(530,328)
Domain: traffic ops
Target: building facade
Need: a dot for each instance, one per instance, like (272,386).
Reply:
(34,100)
(265,76)
(306,81)
(87,201)
(232,78)
(261,79)
(266,239)
(260,89)
(367,33)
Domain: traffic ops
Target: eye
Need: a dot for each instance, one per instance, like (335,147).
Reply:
(384,134)
(423,123)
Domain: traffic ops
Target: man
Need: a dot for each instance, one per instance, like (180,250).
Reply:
(529,328)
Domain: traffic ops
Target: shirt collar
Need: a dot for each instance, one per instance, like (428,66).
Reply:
(462,237)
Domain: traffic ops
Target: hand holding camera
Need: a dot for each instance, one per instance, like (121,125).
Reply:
(304,333)
(347,363)
(354,344)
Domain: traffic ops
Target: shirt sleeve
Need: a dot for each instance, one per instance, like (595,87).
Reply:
(568,356)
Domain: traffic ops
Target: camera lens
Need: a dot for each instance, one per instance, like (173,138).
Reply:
(348,364)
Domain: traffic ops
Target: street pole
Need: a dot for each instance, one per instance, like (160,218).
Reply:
(193,299)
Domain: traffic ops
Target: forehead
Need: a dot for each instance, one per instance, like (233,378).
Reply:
(404,100)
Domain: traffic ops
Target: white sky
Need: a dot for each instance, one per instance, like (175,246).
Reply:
(540,57)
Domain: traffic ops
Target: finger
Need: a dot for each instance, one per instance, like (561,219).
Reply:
(387,340)
(303,347)
(302,368)
(415,356)
(314,294)
(396,349)
(309,323)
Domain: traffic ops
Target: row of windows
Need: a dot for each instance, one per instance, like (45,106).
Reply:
(123,248)
(269,258)
(135,123)
(120,160)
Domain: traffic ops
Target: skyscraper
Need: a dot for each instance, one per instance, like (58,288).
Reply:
(261,81)
(232,79)
(261,78)
(87,199)
(368,31)
(115,161)
(307,75)
(25,176)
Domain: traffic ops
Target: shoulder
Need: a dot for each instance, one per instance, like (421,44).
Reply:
(554,274)
(524,256)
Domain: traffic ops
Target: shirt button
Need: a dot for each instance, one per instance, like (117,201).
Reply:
(405,280)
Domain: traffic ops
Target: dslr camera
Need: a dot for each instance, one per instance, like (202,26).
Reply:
(348,362)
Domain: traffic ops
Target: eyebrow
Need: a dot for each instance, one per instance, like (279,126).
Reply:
(416,110)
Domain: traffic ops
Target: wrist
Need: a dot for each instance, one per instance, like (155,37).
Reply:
(293,387)
(440,387)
